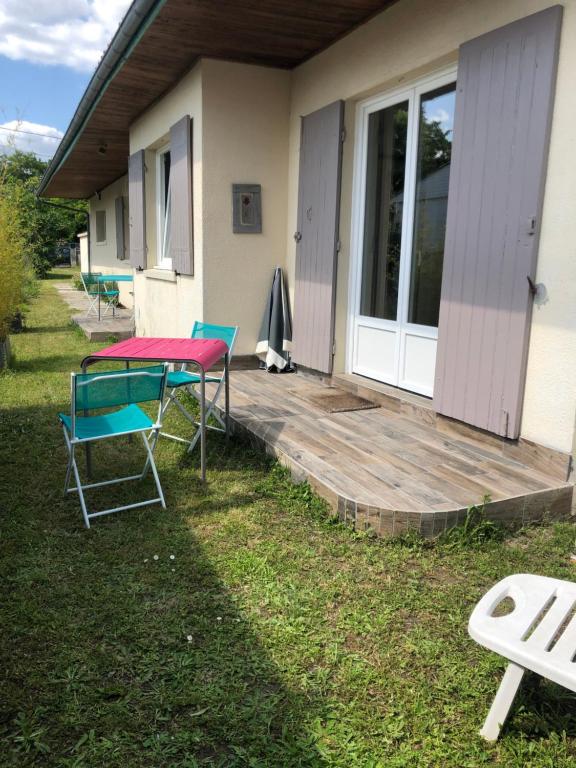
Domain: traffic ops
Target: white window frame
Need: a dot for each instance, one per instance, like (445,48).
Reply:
(102,211)
(162,212)
(410,92)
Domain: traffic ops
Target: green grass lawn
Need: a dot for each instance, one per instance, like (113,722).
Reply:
(242,626)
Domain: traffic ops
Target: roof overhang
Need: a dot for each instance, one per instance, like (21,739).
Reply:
(157,43)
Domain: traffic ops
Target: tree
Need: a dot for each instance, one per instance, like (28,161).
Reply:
(43,225)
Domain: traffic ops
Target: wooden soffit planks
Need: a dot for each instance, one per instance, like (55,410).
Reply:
(275,33)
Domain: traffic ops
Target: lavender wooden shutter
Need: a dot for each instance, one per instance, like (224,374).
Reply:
(317,237)
(119,211)
(504,101)
(181,237)
(137,209)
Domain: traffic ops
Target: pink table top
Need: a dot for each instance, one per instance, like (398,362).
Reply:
(202,352)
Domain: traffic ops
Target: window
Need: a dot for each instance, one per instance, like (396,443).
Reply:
(100,226)
(408,151)
(385,178)
(163,208)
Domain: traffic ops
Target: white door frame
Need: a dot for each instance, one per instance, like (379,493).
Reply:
(411,93)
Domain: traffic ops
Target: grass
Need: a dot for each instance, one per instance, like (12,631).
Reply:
(264,634)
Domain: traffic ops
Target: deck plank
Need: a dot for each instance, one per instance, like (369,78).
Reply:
(384,459)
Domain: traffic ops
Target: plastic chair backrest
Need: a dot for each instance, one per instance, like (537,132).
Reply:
(107,389)
(226,333)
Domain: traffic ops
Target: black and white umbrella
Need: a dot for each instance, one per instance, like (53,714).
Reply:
(275,337)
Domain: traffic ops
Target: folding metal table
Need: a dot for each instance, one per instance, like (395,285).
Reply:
(201,353)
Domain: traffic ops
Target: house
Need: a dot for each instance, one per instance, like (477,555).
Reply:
(416,166)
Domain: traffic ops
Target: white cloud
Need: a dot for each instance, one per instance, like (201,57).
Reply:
(41,139)
(441,116)
(71,33)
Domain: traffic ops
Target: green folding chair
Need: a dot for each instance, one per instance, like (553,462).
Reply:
(91,289)
(95,290)
(184,378)
(108,390)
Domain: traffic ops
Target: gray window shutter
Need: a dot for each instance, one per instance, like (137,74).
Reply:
(505,94)
(317,237)
(137,209)
(119,211)
(181,236)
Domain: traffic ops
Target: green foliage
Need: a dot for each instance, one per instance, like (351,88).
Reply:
(476,530)
(43,225)
(13,271)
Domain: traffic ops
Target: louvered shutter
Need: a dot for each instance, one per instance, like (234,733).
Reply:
(181,231)
(505,94)
(137,209)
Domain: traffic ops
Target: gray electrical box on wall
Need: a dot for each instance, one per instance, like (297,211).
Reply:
(246,209)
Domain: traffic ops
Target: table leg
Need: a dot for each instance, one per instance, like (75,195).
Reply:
(128,368)
(203,424)
(99,302)
(227,392)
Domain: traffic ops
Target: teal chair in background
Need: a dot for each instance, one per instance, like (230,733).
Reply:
(186,379)
(96,290)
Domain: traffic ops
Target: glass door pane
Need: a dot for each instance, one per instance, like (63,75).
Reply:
(436,123)
(384,202)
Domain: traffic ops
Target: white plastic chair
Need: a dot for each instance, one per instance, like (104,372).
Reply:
(539,634)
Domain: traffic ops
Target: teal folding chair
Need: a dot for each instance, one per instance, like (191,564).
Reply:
(91,289)
(184,378)
(96,290)
(108,390)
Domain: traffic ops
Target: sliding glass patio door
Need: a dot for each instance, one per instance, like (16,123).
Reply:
(401,190)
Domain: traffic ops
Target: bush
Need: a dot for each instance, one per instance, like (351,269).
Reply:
(14,274)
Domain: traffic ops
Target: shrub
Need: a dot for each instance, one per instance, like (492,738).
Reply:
(14,274)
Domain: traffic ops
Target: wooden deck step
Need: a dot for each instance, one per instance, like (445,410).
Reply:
(398,466)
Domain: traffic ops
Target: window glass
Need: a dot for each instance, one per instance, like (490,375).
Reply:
(164,228)
(100,226)
(436,122)
(385,178)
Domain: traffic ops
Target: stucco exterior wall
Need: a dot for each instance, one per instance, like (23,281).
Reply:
(415,37)
(246,111)
(83,244)
(167,305)
(240,119)
(103,256)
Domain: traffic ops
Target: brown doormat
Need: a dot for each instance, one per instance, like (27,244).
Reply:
(334,400)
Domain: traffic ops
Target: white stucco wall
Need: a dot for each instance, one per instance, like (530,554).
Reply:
(246,110)
(167,305)
(103,256)
(83,245)
(412,38)
(240,134)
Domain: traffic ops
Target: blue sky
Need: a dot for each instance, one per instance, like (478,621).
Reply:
(48,52)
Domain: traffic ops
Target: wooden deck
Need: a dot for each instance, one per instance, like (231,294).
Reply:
(400,465)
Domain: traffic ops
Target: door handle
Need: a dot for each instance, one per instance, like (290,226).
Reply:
(297,236)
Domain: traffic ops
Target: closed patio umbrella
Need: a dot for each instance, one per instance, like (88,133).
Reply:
(275,337)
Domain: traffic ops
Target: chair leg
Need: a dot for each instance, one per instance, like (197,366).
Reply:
(69,467)
(502,702)
(168,402)
(154,437)
(80,491)
(152,464)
